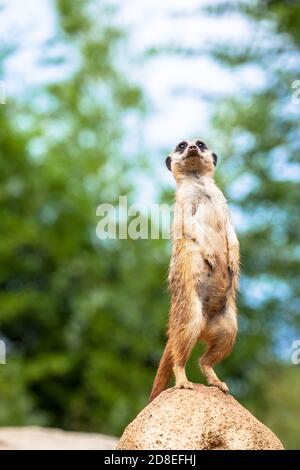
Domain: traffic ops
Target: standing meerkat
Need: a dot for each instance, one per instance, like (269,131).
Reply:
(204,270)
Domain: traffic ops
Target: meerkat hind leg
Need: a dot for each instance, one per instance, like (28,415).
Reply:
(184,343)
(220,339)
(207,361)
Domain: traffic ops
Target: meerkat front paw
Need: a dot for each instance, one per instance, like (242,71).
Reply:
(209,258)
(189,231)
(233,266)
(233,263)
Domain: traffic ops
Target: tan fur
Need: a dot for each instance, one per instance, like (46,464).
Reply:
(204,270)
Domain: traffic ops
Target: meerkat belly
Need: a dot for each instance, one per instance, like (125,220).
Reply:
(212,284)
(190,274)
(212,287)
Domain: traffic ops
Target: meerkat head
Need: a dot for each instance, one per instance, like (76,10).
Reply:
(191,157)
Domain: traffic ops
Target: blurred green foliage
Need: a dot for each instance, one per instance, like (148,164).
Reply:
(79,315)
(84,319)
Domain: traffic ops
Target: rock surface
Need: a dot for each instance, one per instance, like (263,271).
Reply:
(204,418)
(32,438)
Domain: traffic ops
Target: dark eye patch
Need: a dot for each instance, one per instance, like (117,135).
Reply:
(168,162)
(215,158)
(201,145)
(181,147)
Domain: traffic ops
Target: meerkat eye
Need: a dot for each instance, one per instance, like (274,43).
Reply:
(181,146)
(201,145)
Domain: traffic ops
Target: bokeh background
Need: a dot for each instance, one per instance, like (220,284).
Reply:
(97,93)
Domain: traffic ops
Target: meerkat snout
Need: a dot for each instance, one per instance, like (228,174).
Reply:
(192,148)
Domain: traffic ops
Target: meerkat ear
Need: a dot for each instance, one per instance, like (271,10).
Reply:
(168,162)
(215,159)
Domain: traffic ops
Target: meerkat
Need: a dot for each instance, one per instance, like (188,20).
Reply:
(204,270)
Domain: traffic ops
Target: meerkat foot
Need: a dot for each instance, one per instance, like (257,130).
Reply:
(186,384)
(221,385)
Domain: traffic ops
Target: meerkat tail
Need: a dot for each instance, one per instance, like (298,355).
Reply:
(163,374)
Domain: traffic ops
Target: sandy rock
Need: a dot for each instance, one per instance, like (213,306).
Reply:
(204,418)
(33,438)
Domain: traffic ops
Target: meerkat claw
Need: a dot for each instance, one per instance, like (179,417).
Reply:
(233,267)
(187,385)
(222,386)
(210,260)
